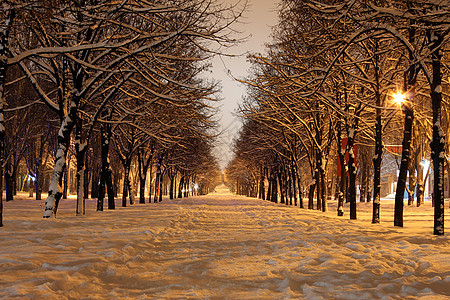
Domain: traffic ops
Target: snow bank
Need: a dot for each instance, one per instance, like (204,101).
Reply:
(223,246)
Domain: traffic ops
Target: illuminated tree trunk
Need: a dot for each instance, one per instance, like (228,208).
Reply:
(110,189)
(186,186)
(127,188)
(378,154)
(80,149)
(161,186)
(143,165)
(420,186)
(3,40)
(401,182)
(412,177)
(312,188)
(438,141)
(323,200)
(261,194)
(352,173)
(294,184)
(269,188)
(126,183)
(158,180)
(180,187)
(343,174)
(9,182)
(377,158)
(171,174)
(300,191)
(274,197)
(104,144)
(318,188)
(55,190)
(281,185)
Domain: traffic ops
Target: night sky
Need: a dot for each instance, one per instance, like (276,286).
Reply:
(256,24)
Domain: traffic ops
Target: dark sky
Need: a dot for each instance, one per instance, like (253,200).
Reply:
(256,24)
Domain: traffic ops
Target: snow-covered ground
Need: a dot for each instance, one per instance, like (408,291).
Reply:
(220,246)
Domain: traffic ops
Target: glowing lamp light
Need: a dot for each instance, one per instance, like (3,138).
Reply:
(399,98)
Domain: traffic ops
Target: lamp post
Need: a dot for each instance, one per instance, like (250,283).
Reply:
(406,105)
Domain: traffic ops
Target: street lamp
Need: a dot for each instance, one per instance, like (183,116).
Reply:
(399,98)
(400,102)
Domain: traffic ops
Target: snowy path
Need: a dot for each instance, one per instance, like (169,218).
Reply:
(217,246)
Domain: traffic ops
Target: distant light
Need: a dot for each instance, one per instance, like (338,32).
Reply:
(425,163)
(399,98)
(195,186)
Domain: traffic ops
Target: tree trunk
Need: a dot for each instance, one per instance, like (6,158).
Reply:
(80,149)
(81,201)
(274,197)
(1,191)
(412,176)
(342,183)
(280,184)
(104,144)
(126,183)
(324,204)
(142,189)
(150,183)
(420,188)
(269,188)
(55,188)
(31,189)
(378,155)
(362,189)
(261,194)
(318,188)
(186,187)
(300,192)
(143,163)
(158,180)
(352,173)
(9,182)
(161,187)
(289,185)
(116,181)
(95,179)
(4,41)
(377,159)
(66,180)
(343,174)
(438,141)
(294,185)
(14,179)
(38,183)
(110,189)
(87,179)
(401,182)
(312,188)
(172,179)
(180,187)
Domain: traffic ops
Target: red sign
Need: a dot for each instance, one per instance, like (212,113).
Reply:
(344,147)
(397,149)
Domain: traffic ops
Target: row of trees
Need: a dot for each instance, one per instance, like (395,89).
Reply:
(102,75)
(325,88)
